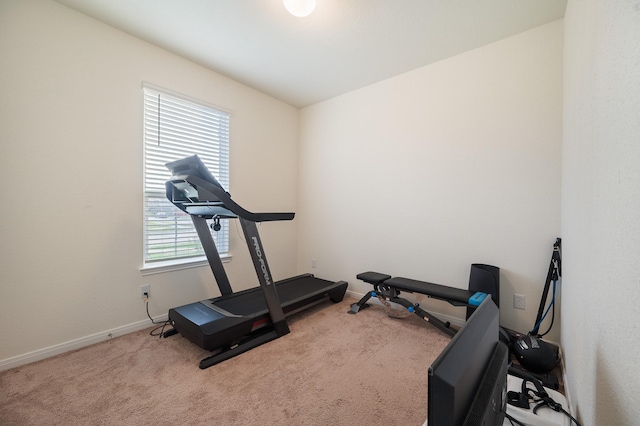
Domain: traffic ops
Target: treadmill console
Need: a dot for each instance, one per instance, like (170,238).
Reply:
(194,190)
(194,166)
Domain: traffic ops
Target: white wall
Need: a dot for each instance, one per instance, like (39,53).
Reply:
(430,171)
(71,173)
(601,209)
(420,175)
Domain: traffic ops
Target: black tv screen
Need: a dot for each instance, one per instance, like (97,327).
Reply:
(474,358)
(488,407)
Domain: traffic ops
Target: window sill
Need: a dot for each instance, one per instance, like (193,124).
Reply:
(177,265)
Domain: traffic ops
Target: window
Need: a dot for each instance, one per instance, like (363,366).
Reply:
(176,127)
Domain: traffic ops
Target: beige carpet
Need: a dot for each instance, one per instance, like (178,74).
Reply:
(332,369)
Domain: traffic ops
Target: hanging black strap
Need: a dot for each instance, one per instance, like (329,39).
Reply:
(554,273)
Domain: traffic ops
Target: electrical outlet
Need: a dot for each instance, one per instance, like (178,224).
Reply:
(313,263)
(519,301)
(144,291)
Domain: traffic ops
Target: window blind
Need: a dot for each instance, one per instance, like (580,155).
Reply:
(176,127)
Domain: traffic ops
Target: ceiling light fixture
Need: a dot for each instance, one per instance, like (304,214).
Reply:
(300,8)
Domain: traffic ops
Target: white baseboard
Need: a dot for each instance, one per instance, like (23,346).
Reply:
(72,345)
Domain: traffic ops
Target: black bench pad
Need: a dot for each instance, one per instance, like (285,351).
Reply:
(373,277)
(437,291)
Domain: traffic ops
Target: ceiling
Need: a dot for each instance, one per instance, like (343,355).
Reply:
(342,46)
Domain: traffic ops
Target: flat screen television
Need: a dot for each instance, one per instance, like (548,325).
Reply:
(467,383)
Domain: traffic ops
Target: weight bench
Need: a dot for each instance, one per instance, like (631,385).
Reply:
(484,281)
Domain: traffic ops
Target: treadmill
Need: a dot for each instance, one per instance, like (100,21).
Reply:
(234,323)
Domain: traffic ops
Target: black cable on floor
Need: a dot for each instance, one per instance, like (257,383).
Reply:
(163,324)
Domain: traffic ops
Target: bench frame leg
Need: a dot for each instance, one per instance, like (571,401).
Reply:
(362,303)
(416,309)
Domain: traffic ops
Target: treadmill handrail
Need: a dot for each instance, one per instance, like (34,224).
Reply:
(217,195)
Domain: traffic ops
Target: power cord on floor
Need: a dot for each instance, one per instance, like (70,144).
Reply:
(512,420)
(163,324)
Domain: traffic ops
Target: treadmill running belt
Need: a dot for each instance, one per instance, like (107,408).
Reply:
(252,303)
